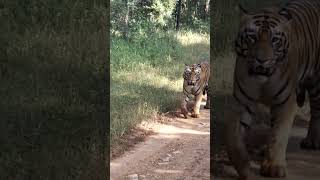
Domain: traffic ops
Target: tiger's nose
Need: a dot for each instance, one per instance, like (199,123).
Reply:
(191,83)
(262,60)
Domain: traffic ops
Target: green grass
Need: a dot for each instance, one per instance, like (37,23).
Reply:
(146,75)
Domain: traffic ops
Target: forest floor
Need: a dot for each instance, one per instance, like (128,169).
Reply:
(176,149)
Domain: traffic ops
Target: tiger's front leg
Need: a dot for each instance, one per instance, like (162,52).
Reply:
(237,151)
(184,109)
(196,109)
(274,164)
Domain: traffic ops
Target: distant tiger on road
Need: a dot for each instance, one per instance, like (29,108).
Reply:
(196,79)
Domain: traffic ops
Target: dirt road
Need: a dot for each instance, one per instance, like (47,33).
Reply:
(180,149)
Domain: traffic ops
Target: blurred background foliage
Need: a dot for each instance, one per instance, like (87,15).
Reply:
(136,17)
(53,90)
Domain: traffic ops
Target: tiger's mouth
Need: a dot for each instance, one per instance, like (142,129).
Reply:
(191,83)
(260,71)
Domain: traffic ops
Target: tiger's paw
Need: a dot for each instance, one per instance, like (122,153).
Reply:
(185,116)
(269,169)
(195,115)
(310,143)
(184,112)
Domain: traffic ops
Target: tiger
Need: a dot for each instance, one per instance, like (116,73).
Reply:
(277,64)
(195,83)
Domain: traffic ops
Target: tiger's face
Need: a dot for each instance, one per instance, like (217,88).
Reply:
(192,74)
(262,42)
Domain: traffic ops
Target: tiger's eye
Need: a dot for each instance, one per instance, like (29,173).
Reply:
(252,38)
(275,40)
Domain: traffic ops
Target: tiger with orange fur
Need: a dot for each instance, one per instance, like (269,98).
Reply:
(278,62)
(196,83)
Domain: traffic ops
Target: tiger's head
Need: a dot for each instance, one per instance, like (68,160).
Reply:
(262,42)
(192,74)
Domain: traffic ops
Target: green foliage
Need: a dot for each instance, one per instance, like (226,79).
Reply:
(52,85)
(162,11)
(146,75)
(140,17)
(146,16)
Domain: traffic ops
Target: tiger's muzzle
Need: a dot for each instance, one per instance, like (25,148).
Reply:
(262,68)
(191,83)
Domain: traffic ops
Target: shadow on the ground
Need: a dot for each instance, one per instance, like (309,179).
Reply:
(128,141)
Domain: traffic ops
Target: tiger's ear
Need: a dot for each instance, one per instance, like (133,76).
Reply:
(288,17)
(244,14)
(199,65)
(242,10)
(283,12)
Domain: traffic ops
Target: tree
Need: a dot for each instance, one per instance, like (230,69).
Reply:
(125,30)
(178,12)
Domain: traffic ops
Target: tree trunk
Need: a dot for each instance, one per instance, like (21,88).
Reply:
(207,8)
(192,10)
(189,13)
(207,5)
(178,12)
(202,8)
(125,30)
